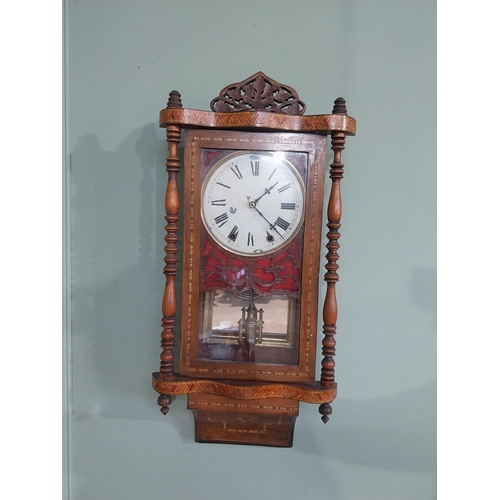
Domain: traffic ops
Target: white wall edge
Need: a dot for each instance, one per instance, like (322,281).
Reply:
(66,270)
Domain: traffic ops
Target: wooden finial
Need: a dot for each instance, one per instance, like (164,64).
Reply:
(174,100)
(339,108)
(164,401)
(326,410)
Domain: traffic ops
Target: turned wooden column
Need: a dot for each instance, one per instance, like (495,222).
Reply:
(172,205)
(330,309)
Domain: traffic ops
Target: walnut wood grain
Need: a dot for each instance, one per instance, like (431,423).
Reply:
(172,205)
(260,402)
(315,147)
(263,422)
(312,392)
(258,92)
(330,309)
(334,214)
(257,119)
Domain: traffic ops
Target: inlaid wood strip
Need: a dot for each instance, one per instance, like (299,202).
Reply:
(314,146)
(258,119)
(312,392)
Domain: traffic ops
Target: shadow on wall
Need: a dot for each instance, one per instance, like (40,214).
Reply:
(117,282)
(117,260)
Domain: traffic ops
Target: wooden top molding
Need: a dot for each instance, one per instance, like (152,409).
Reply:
(311,392)
(258,102)
(324,124)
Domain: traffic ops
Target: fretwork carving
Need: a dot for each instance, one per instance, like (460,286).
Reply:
(258,93)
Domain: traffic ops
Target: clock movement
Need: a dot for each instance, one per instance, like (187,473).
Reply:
(252,204)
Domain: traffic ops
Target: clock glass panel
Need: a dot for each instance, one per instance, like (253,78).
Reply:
(252,206)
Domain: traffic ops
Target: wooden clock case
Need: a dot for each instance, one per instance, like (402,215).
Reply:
(250,403)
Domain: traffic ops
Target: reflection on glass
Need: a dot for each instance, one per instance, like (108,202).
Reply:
(248,327)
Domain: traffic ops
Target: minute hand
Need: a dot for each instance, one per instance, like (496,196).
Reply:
(271,226)
(266,191)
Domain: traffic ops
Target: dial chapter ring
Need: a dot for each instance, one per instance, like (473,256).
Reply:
(254,207)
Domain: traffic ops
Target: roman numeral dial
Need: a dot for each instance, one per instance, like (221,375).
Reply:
(221,219)
(283,224)
(233,234)
(253,202)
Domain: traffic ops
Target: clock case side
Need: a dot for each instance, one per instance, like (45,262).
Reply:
(315,147)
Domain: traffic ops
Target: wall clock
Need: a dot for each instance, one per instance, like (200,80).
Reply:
(252,203)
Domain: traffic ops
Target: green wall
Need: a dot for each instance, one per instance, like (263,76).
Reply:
(122,60)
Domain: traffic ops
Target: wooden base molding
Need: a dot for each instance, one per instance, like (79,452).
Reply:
(312,392)
(244,412)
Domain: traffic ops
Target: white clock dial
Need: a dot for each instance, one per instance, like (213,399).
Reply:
(253,202)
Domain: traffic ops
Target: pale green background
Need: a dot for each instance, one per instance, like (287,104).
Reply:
(122,60)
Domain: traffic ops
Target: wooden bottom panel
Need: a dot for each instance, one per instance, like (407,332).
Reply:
(263,422)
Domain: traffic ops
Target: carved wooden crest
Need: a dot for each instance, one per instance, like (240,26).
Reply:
(258,93)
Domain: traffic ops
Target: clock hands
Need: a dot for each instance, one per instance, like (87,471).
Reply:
(253,204)
(271,226)
(266,191)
